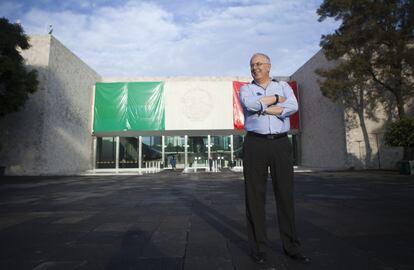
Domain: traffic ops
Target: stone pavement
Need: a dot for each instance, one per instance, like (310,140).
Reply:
(346,220)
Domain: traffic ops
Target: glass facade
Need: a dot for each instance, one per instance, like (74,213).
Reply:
(174,148)
(128,152)
(197,152)
(221,150)
(183,151)
(238,149)
(105,152)
(151,149)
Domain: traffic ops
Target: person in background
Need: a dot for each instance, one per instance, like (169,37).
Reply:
(173,162)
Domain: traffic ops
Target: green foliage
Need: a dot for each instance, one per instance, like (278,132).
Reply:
(375,45)
(401,133)
(346,82)
(16,82)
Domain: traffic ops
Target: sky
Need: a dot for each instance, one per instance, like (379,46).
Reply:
(177,37)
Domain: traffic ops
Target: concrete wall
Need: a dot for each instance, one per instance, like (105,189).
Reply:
(330,135)
(20,132)
(51,135)
(175,78)
(66,140)
(322,140)
(382,156)
(199,105)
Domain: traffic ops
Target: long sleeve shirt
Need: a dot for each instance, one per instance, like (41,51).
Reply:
(255,118)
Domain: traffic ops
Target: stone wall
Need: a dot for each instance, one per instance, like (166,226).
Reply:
(330,136)
(20,138)
(322,130)
(382,156)
(51,134)
(68,116)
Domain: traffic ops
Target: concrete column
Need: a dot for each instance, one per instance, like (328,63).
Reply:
(231,147)
(209,146)
(94,139)
(140,152)
(117,153)
(185,151)
(163,150)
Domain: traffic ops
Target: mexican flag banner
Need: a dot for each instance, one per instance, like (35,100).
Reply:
(132,106)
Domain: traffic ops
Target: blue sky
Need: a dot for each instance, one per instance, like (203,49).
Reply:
(177,37)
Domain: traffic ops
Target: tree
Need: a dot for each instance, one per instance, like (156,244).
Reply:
(374,51)
(401,133)
(16,82)
(376,37)
(349,84)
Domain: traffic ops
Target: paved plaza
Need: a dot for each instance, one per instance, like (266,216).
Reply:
(170,220)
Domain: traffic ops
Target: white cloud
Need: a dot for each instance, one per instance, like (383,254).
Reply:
(146,38)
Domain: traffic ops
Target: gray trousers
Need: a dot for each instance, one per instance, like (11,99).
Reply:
(258,155)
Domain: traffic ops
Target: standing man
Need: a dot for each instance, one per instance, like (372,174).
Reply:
(173,162)
(267,105)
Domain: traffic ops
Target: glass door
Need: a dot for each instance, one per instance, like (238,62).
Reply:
(238,150)
(151,149)
(197,151)
(221,150)
(105,152)
(174,151)
(128,152)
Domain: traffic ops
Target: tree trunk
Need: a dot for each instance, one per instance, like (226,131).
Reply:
(368,149)
(400,106)
(360,109)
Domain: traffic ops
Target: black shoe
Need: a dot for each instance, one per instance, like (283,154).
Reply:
(298,257)
(259,257)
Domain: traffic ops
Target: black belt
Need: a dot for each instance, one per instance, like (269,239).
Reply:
(267,136)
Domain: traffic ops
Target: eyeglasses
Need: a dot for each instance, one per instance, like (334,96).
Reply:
(258,64)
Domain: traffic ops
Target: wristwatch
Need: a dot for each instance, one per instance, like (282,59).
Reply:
(277,99)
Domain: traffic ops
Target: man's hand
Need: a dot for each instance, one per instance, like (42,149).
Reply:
(281,99)
(270,100)
(274,110)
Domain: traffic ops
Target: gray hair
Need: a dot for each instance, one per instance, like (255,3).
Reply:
(261,54)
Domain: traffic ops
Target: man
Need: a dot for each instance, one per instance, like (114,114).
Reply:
(173,162)
(267,105)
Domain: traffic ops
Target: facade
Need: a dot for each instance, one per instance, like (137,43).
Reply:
(322,136)
(331,136)
(50,134)
(58,131)
(157,121)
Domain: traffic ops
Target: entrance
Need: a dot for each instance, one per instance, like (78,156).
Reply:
(174,148)
(106,154)
(152,153)
(197,152)
(221,151)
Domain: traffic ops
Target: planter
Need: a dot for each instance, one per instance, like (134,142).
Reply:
(406,167)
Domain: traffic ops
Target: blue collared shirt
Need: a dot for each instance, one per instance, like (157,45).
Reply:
(253,109)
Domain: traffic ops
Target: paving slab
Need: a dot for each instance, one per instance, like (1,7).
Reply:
(169,220)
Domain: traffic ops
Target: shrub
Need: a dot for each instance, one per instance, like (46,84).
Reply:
(401,133)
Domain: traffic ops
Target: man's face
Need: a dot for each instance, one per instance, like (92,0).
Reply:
(259,67)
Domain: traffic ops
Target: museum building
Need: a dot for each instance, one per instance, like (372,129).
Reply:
(80,122)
